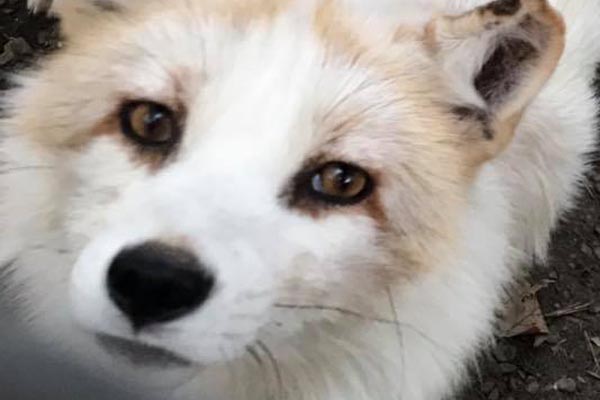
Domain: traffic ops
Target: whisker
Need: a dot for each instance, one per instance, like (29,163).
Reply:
(399,332)
(341,310)
(356,314)
(275,365)
(255,355)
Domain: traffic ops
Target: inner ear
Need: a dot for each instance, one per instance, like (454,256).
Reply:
(505,68)
(497,58)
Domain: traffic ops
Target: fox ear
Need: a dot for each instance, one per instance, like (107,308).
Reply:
(497,59)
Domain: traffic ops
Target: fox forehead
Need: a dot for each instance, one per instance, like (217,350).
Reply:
(315,63)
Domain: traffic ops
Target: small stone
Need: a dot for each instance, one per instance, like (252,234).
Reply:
(587,250)
(18,46)
(507,368)
(6,57)
(505,353)
(540,340)
(566,385)
(487,387)
(515,384)
(532,387)
(495,395)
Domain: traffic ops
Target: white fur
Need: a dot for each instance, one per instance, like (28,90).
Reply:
(222,197)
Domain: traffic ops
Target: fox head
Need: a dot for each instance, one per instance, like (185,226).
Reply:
(220,174)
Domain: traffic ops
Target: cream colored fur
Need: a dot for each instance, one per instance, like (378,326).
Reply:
(391,304)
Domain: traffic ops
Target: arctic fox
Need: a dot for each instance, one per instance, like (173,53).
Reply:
(291,199)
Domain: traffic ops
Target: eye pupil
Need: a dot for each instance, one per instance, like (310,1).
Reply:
(340,179)
(344,180)
(157,125)
(149,123)
(340,183)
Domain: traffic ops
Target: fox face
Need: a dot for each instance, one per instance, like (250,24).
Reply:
(225,174)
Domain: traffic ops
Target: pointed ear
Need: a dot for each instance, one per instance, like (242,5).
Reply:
(497,59)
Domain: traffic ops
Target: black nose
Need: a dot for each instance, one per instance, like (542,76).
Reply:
(154,282)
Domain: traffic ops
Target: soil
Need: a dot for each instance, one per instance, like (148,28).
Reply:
(559,366)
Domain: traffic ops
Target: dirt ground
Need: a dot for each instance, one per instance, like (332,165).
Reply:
(562,365)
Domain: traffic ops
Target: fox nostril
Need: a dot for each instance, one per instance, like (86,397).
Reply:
(154,282)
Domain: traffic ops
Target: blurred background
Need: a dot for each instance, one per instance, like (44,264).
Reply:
(28,371)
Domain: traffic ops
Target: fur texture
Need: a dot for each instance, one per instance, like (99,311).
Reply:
(389,298)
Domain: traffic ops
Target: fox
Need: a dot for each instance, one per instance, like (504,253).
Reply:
(290,200)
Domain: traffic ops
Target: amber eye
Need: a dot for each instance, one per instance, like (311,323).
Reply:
(149,124)
(340,183)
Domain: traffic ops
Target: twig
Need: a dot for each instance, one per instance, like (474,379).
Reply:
(570,310)
(591,347)
(593,375)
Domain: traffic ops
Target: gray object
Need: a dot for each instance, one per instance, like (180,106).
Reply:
(30,371)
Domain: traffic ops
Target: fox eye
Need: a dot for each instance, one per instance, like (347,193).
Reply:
(149,124)
(339,183)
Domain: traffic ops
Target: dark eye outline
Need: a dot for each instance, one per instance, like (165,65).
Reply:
(306,185)
(128,130)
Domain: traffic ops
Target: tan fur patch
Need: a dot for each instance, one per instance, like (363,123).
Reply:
(244,11)
(398,205)
(335,28)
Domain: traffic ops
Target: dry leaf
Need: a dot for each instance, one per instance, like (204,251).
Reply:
(522,314)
